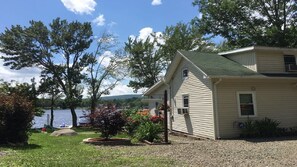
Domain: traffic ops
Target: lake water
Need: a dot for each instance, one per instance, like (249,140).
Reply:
(60,117)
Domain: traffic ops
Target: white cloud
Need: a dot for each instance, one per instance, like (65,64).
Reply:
(100,20)
(105,58)
(21,76)
(156,2)
(80,6)
(145,32)
(121,89)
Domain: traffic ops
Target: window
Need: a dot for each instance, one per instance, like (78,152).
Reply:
(184,110)
(185,73)
(185,100)
(246,104)
(290,63)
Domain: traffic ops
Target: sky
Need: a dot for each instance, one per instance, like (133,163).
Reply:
(123,18)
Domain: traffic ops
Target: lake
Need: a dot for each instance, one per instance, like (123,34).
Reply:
(60,117)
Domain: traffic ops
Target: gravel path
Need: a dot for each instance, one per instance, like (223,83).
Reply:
(190,152)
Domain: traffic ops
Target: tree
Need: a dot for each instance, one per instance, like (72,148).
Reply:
(145,62)
(59,50)
(149,58)
(105,70)
(50,87)
(249,22)
(183,37)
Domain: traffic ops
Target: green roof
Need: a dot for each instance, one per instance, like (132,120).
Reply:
(213,64)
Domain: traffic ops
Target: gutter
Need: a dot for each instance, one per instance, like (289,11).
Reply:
(250,77)
(216,112)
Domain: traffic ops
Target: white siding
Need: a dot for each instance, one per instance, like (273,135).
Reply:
(199,121)
(157,94)
(247,59)
(275,99)
(270,62)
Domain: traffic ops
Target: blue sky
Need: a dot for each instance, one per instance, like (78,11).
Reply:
(121,17)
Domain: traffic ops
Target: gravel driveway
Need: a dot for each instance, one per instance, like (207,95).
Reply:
(190,152)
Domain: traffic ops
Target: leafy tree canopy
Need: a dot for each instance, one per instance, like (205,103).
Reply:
(249,22)
(183,37)
(145,62)
(59,50)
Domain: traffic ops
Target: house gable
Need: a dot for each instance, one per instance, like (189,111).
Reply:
(197,90)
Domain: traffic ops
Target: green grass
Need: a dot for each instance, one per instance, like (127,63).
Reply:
(44,150)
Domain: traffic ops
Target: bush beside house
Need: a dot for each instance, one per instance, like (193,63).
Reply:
(265,127)
(142,126)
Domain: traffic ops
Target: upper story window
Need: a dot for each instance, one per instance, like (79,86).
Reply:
(290,63)
(246,104)
(185,73)
(185,100)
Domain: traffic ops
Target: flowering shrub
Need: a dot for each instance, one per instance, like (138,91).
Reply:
(148,131)
(142,126)
(108,121)
(157,119)
(16,115)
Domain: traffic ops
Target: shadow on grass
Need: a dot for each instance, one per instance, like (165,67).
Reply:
(111,142)
(25,147)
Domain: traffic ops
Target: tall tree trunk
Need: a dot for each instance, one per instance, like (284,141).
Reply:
(93,109)
(74,117)
(52,117)
(52,111)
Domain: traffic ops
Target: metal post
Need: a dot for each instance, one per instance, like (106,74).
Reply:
(165,118)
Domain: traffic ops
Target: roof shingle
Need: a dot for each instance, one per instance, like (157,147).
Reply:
(215,65)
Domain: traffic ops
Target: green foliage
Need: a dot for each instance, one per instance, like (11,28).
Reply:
(59,50)
(261,128)
(246,23)
(266,127)
(108,121)
(134,119)
(183,37)
(148,131)
(145,62)
(24,90)
(141,126)
(16,115)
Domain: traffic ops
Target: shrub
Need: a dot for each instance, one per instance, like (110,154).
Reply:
(157,119)
(108,121)
(148,131)
(248,129)
(16,115)
(266,127)
(134,119)
(142,126)
(261,128)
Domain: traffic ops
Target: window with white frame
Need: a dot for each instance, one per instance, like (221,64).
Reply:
(185,73)
(246,104)
(185,100)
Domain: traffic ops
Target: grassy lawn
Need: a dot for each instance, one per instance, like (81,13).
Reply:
(45,150)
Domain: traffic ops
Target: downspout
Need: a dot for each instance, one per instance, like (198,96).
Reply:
(216,112)
(169,94)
